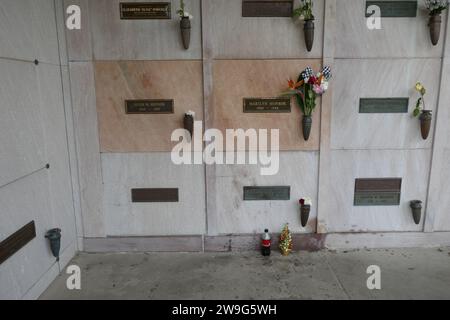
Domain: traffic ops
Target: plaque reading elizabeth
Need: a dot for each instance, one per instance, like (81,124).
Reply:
(145,10)
(149,106)
(267,105)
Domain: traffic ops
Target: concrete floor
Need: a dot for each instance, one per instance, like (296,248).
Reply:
(405,274)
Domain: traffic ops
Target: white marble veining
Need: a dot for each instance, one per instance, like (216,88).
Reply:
(346,166)
(88,147)
(398,37)
(115,39)
(79,42)
(21,132)
(297,169)
(234,36)
(28,30)
(123,172)
(377,78)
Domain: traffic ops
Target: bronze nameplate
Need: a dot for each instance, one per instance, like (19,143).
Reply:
(267,8)
(145,10)
(394,9)
(149,106)
(154,195)
(282,193)
(383,105)
(378,192)
(267,105)
(17,241)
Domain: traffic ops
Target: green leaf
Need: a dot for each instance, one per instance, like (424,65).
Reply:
(416,112)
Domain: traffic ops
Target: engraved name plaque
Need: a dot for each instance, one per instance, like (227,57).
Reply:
(17,241)
(378,192)
(394,9)
(267,105)
(154,195)
(149,106)
(145,10)
(281,193)
(267,8)
(383,105)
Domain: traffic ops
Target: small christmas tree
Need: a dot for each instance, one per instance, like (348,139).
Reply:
(286,241)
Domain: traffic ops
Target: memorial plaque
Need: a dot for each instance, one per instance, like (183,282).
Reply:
(267,105)
(383,105)
(378,192)
(267,8)
(394,9)
(17,241)
(154,195)
(267,193)
(145,10)
(149,106)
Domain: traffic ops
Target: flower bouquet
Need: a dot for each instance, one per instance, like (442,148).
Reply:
(305,209)
(435,8)
(308,87)
(425,116)
(185,25)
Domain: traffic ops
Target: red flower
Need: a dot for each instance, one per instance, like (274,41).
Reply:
(302,201)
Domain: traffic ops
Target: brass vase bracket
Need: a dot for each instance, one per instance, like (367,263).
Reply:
(435,28)
(185,25)
(308,30)
(304,214)
(306,125)
(425,123)
(416,208)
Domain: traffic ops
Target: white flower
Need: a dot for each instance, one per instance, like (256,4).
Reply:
(325,85)
(188,15)
(190,113)
(308,201)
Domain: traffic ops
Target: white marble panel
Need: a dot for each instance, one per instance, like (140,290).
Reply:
(233,36)
(297,169)
(28,30)
(56,149)
(22,202)
(380,78)
(115,39)
(87,146)
(398,37)
(346,166)
(21,133)
(123,172)
(439,193)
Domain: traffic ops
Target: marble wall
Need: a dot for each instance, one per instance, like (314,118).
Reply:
(234,80)
(34,109)
(231,36)
(120,81)
(231,58)
(123,172)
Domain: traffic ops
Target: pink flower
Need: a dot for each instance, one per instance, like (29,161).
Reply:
(318,89)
